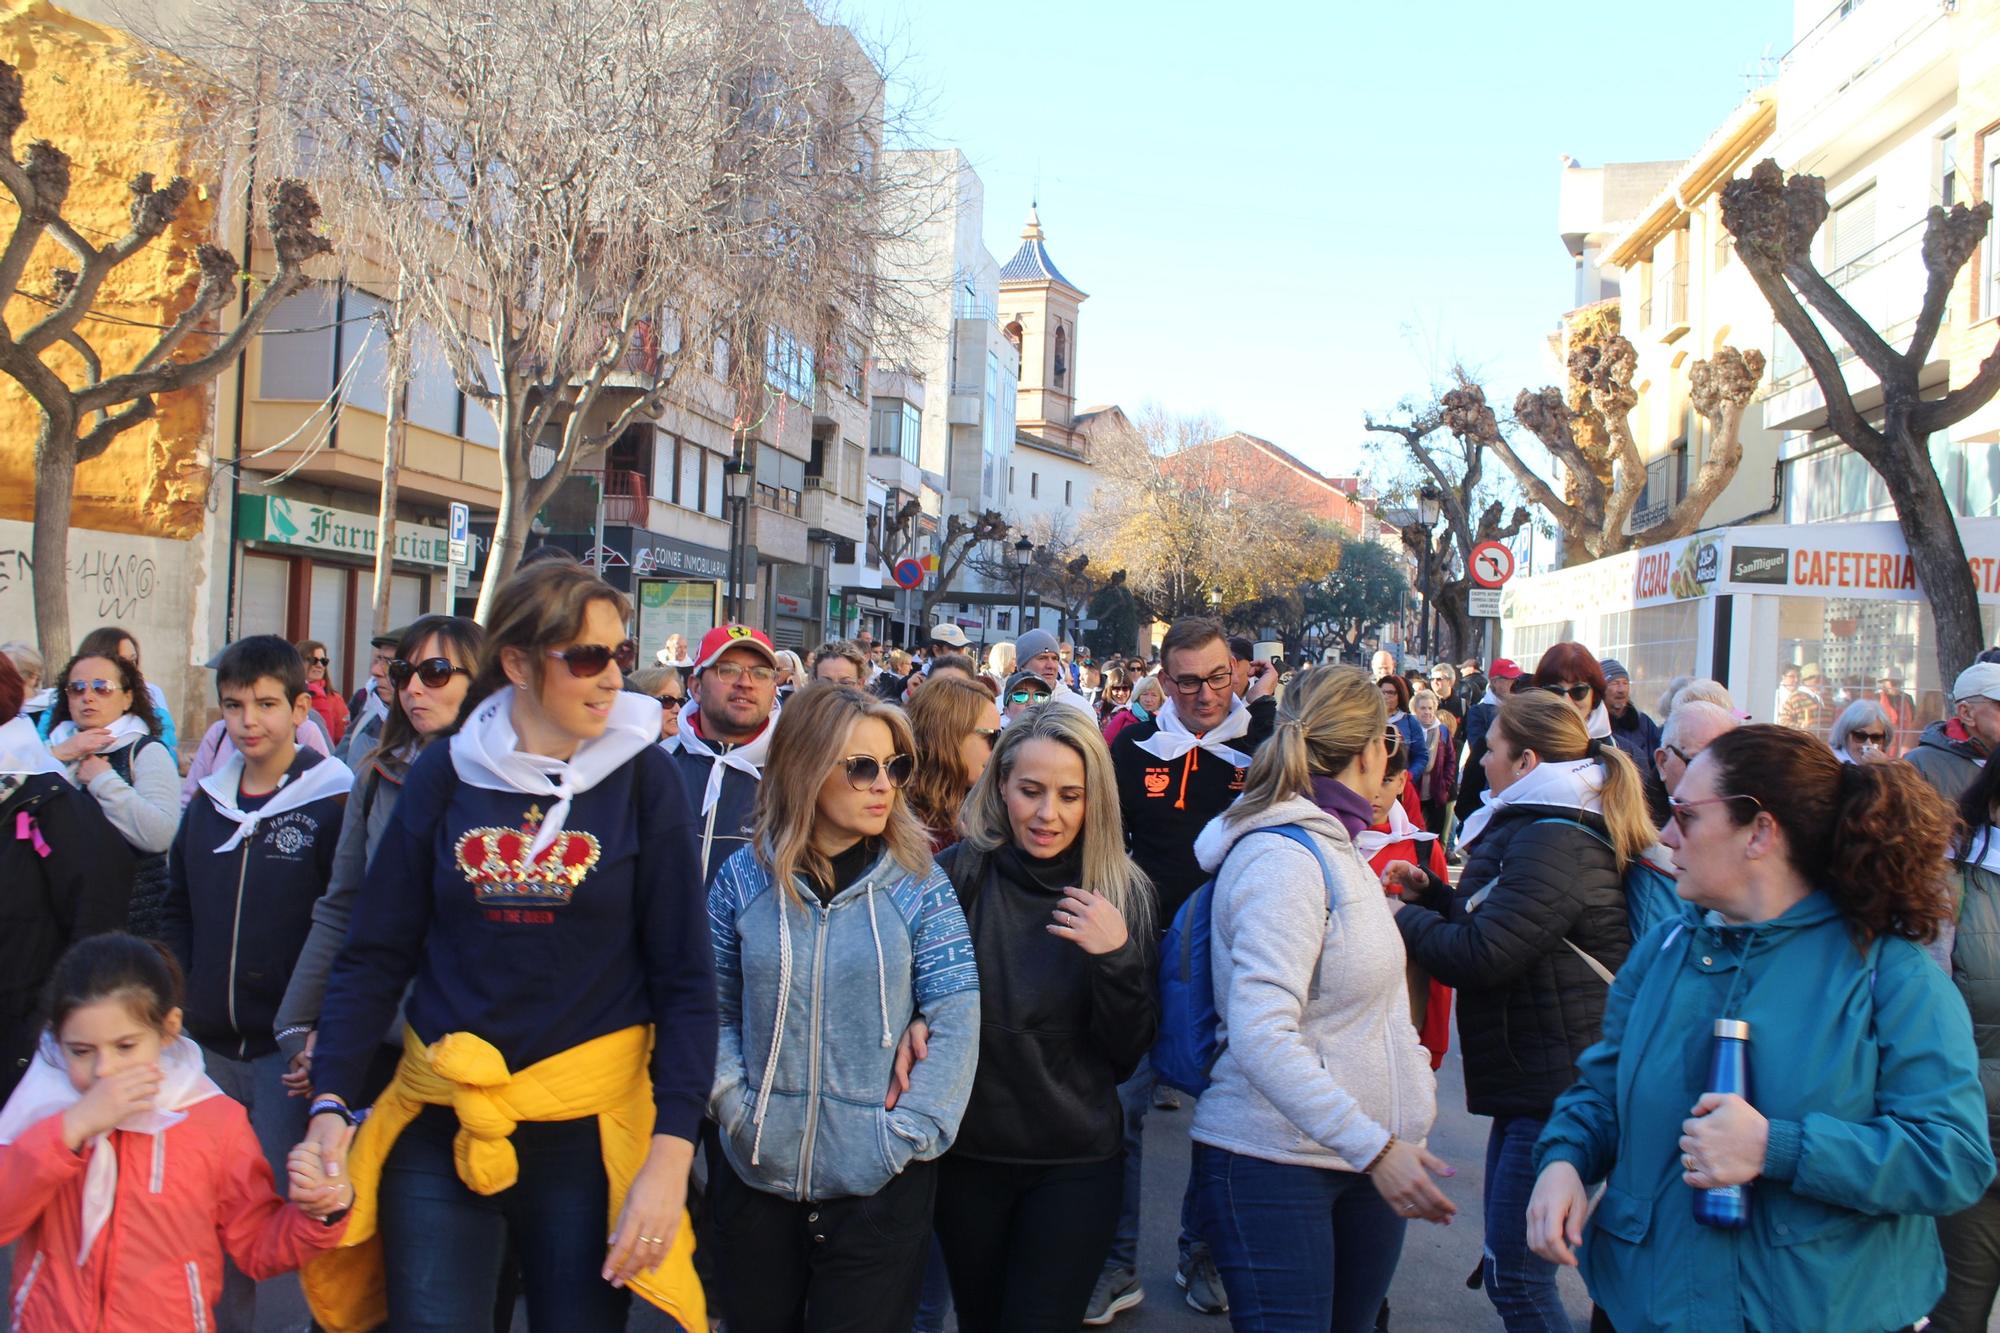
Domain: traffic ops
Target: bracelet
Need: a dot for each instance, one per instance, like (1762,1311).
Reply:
(333,1105)
(1376,1160)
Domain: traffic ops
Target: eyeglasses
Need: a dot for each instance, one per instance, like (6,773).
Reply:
(1027,696)
(434,672)
(1678,753)
(1681,808)
(1576,693)
(1118,691)
(320,659)
(730,672)
(585,660)
(863,769)
(988,734)
(1217,683)
(1869,737)
(98,687)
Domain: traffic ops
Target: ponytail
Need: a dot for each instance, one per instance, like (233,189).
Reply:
(1328,716)
(1542,722)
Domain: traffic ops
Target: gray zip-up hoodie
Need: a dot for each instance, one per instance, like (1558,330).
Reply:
(813,999)
(1320,1063)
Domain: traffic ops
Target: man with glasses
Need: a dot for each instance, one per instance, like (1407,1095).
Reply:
(1175,773)
(1691,728)
(1951,752)
(725,735)
(370,704)
(1024,690)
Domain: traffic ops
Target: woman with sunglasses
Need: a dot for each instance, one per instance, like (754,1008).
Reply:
(1061,926)
(1543,886)
(1863,734)
(833,931)
(1572,673)
(1115,694)
(105,732)
(1147,698)
(428,676)
(327,704)
(1817,883)
(1396,697)
(954,723)
(538,885)
(665,684)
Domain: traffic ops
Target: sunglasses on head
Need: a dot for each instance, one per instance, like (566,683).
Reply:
(81,687)
(1576,693)
(586,660)
(432,671)
(863,769)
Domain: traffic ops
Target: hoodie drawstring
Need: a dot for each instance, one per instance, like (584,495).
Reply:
(777,1023)
(881,969)
(1187,767)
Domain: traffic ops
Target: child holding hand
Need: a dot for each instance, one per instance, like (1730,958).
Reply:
(126,1174)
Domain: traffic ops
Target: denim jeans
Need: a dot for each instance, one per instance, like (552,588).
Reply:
(443,1246)
(1520,1283)
(934,1297)
(1301,1249)
(1135,1095)
(279,1122)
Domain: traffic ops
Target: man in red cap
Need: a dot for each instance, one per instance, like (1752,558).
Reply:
(1500,678)
(725,733)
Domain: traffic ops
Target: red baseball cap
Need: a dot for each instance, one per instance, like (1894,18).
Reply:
(1503,668)
(724,637)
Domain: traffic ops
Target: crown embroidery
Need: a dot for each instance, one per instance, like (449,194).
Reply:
(495,863)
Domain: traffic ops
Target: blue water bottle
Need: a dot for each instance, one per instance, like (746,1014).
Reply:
(1727,1206)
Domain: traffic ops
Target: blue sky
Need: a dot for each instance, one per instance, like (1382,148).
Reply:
(1290,214)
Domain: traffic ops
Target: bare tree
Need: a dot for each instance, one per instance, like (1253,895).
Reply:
(83,404)
(1588,429)
(962,535)
(588,202)
(1058,575)
(1456,469)
(1774,221)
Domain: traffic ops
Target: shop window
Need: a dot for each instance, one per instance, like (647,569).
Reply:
(1527,643)
(1655,644)
(1854,642)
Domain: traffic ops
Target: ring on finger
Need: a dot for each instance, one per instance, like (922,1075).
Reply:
(651,1240)
(1687,1161)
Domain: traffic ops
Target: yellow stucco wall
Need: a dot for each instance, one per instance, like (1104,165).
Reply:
(82,97)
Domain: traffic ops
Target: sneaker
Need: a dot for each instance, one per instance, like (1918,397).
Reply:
(1166,1098)
(1197,1276)
(1117,1291)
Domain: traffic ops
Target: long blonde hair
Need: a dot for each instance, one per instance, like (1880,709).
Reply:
(1544,723)
(812,735)
(1106,869)
(1327,717)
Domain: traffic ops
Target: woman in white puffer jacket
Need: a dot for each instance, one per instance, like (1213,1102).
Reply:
(1309,1157)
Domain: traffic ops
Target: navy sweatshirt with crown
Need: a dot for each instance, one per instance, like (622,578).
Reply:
(608,929)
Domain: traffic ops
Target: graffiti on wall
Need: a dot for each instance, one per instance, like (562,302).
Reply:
(112,585)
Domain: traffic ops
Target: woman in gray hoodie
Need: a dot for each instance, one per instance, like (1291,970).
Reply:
(1308,1156)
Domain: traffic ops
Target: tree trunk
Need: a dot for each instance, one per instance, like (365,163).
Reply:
(393,440)
(1454,628)
(1930,530)
(55,484)
(510,538)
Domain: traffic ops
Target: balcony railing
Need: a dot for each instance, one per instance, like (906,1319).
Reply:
(625,498)
(1884,284)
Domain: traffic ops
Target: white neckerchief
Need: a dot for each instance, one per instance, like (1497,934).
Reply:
(745,758)
(1370,841)
(124,729)
(1989,854)
(329,777)
(1173,739)
(1576,785)
(372,707)
(1598,724)
(41,701)
(485,754)
(45,1090)
(22,750)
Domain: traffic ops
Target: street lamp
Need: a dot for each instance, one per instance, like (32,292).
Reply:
(1021,554)
(736,474)
(1430,504)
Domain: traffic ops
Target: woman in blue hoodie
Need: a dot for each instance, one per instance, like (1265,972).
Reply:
(1865,1120)
(832,932)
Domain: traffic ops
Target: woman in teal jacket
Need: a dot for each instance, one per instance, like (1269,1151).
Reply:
(1865,1118)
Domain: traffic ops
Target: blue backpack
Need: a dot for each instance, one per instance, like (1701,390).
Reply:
(1188,1047)
(1650,898)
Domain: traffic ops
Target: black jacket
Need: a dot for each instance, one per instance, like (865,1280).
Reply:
(1166,805)
(237,920)
(1527,1005)
(1060,1029)
(48,902)
(1471,777)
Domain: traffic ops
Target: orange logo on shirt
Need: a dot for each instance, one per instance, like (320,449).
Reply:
(1157,781)
(1236,782)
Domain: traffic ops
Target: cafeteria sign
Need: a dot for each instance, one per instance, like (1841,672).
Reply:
(311,527)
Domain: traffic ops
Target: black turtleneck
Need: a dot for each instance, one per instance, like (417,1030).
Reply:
(848,867)
(1054,873)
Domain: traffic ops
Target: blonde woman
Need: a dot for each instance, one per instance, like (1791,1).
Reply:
(1545,861)
(1000,660)
(1061,925)
(1149,696)
(832,931)
(791,673)
(1309,1156)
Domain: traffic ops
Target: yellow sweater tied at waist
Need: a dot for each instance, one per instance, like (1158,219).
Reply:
(605,1077)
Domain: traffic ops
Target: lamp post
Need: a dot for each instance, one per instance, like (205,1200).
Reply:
(736,475)
(1021,554)
(1430,504)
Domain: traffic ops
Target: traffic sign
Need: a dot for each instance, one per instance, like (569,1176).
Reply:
(1492,565)
(1482,603)
(908,573)
(460,534)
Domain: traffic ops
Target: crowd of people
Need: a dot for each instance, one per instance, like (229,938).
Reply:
(822,992)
